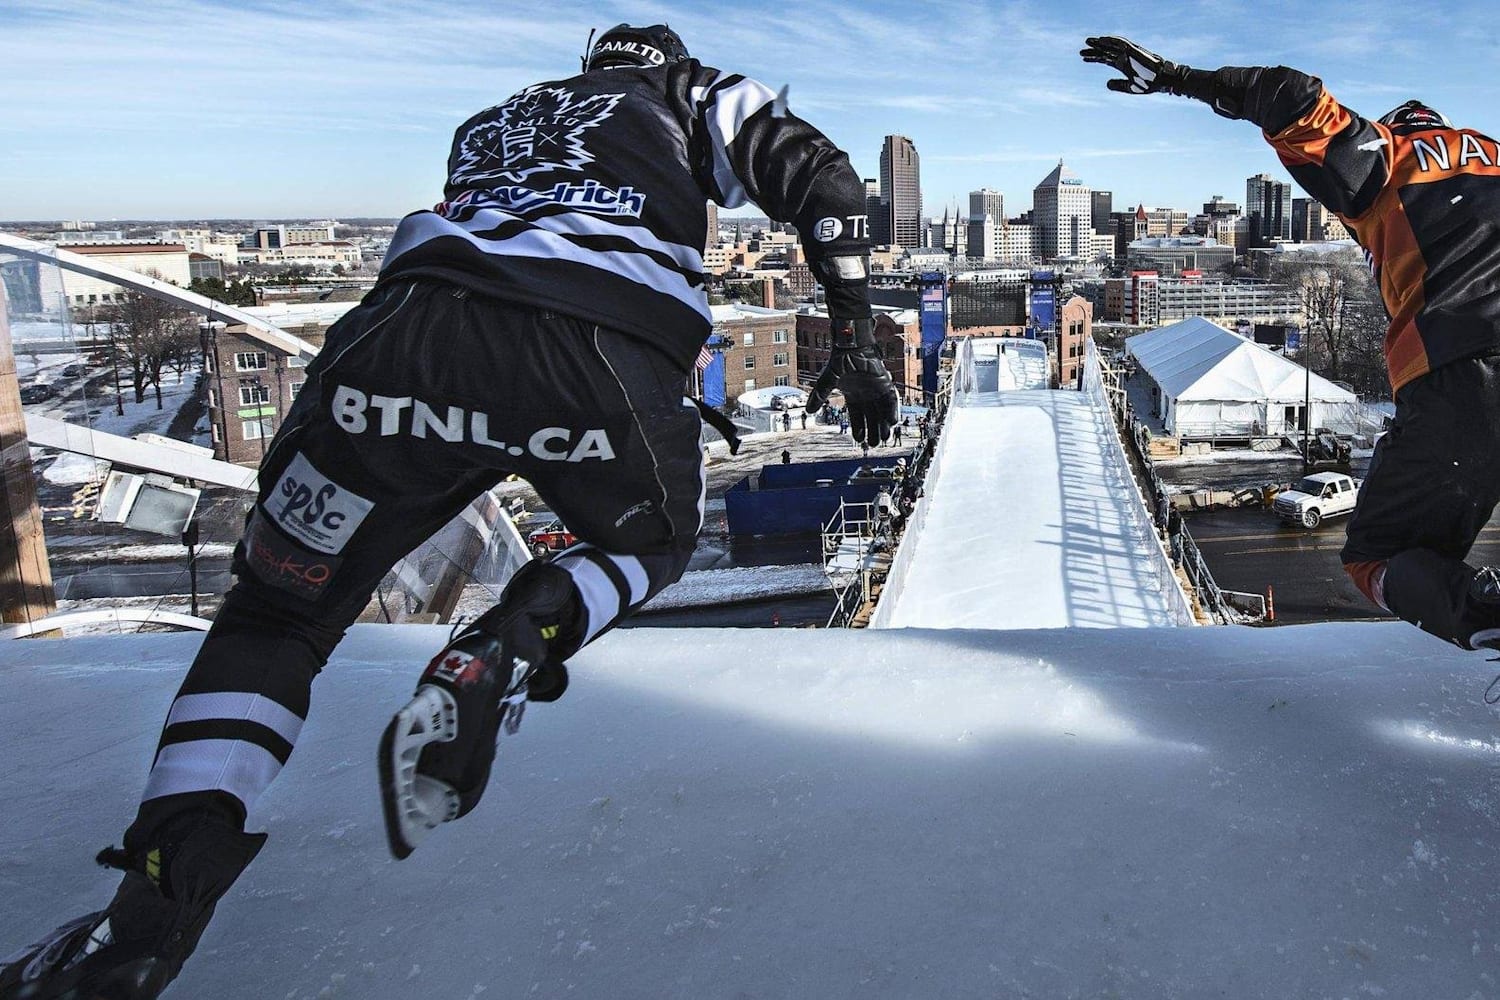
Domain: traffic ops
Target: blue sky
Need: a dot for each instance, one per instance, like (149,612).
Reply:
(264,108)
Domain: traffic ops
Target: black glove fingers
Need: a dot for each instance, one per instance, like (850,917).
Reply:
(821,389)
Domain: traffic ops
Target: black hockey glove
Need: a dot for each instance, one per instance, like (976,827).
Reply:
(856,369)
(1145,71)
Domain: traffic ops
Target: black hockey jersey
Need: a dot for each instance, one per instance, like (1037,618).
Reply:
(588,196)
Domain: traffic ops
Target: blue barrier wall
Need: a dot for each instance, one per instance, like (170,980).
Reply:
(800,498)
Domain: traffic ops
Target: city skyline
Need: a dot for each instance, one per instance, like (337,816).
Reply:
(270,110)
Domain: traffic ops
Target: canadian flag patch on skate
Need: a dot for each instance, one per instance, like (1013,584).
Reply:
(458,668)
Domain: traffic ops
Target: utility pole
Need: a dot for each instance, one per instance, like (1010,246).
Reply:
(1306,407)
(26,593)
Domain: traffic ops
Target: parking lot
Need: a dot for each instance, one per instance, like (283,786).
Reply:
(1249,550)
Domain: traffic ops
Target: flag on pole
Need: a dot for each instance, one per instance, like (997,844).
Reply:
(705,358)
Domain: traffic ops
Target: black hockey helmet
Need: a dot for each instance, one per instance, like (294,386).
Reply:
(628,45)
(1414,116)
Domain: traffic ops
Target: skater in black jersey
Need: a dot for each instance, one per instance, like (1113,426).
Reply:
(541,320)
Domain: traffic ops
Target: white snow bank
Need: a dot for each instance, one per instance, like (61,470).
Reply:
(1134,813)
(75,470)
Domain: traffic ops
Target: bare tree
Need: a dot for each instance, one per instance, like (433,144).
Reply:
(1339,303)
(149,334)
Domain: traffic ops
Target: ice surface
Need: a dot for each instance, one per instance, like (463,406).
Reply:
(1032,523)
(1131,812)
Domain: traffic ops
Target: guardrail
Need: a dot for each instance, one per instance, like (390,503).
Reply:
(924,469)
(1108,397)
(1178,542)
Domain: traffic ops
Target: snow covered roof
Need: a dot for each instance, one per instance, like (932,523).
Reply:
(1198,360)
(761,398)
(739,310)
(297,313)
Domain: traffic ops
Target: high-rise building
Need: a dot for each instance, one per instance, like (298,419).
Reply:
(987,202)
(1129,227)
(1216,207)
(1102,206)
(879,221)
(1062,212)
(901,190)
(712,230)
(1165,221)
(1268,204)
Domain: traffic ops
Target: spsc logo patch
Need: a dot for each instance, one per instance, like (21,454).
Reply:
(315,510)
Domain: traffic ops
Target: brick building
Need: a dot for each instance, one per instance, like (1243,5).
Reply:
(252,378)
(1077,328)
(898,334)
(760,349)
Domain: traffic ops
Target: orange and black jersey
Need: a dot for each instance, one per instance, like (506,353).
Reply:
(1424,204)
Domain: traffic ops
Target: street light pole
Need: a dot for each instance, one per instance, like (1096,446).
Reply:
(1306,408)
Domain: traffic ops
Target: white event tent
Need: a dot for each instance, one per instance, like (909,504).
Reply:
(1216,383)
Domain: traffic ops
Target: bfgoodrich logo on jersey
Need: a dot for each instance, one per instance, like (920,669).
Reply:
(315,510)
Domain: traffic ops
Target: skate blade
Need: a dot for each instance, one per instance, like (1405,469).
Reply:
(414,804)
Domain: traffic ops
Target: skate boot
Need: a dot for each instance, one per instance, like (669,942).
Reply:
(134,947)
(435,755)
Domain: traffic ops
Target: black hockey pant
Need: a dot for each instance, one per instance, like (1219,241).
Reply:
(423,397)
(1433,483)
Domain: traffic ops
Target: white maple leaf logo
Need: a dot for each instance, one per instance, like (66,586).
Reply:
(539,129)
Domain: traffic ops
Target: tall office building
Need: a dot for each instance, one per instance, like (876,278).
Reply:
(901,190)
(712,232)
(1268,204)
(1062,214)
(1129,227)
(1102,206)
(987,202)
(879,219)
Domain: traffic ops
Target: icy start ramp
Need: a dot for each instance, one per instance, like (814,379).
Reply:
(1030,518)
(1144,814)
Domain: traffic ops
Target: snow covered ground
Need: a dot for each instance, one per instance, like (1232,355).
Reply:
(1131,813)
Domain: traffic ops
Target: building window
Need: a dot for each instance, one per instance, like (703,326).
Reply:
(250,361)
(213,399)
(749,340)
(749,362)
(254,430)
(749,384)
(779,360)
(783,380)
(295,388)
(210,364)
(218,435)
(253,393)
(779,337)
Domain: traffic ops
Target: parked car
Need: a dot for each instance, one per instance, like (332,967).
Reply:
(73,371)
(551,537)
(1323,494)
(38,393)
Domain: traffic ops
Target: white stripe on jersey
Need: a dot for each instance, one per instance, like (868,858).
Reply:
(601,599)
(427,226)
(242,769)
(731,106)
(237,706)
(583,224)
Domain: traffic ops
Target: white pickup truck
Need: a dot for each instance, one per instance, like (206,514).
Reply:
(1323,494)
